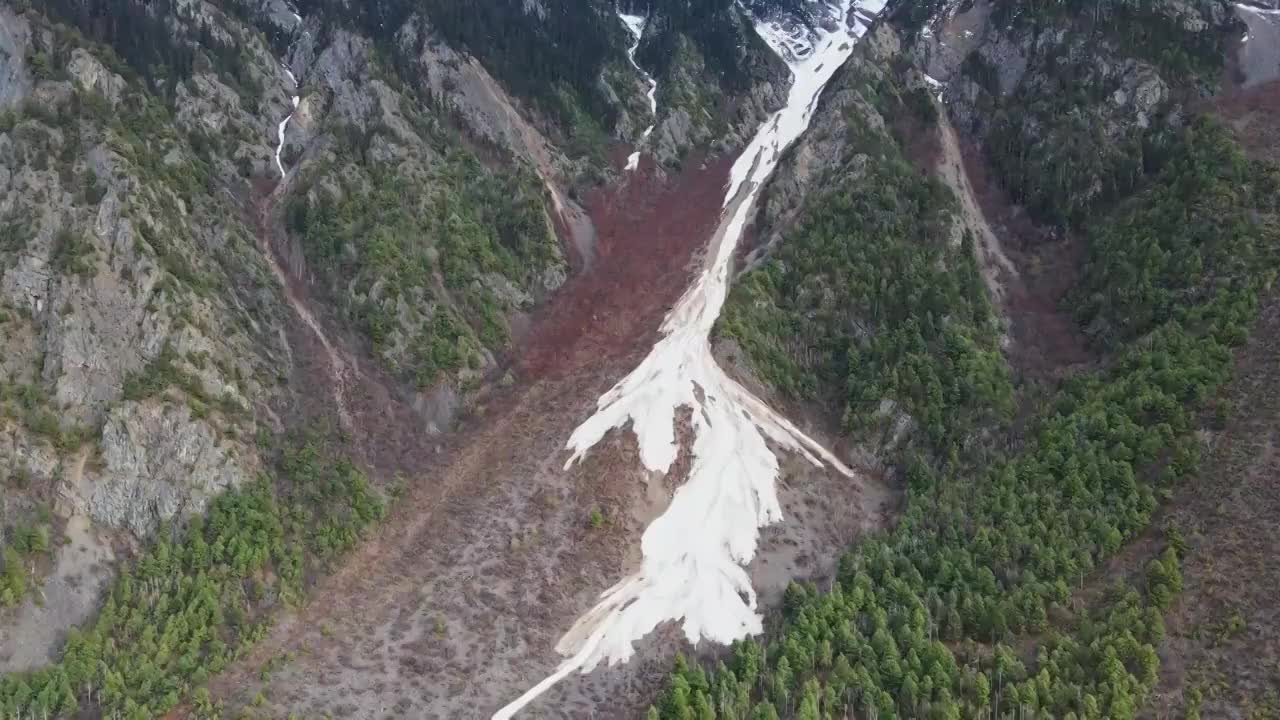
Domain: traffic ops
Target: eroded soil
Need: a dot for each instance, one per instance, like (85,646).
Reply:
(455,606)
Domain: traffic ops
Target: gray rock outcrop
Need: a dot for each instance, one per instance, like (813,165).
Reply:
(91,76)
(15,77)
(159,463)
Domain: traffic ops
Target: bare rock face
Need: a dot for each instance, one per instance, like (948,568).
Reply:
(96,327)
(206,104)
(25,455)
(92,76)
(106,263)
(1009,58)
(15,79)
(674,133)
(159,463)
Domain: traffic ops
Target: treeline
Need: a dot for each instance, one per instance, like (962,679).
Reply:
(920,621)
(200,597)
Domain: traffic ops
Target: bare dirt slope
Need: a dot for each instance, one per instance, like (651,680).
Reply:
(454,608)
(1224,631)
(997,269)
(82,569)
(1027,268)
(1251,113)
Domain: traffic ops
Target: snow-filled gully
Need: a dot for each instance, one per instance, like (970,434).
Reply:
(636,25)
(294,99)
(285,122)
(694,555)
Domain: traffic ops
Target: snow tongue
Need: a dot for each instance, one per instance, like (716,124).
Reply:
(694,555)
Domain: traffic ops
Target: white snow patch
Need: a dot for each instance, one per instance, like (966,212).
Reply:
(297,19)
(285,122)
(935,84)
(694,553)
(635,25)
(280,145)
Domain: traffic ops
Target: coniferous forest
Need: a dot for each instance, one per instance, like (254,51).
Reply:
(971,606)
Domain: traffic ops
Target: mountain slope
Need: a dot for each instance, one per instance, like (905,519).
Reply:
(246,239)
(305,307)
(1004,588)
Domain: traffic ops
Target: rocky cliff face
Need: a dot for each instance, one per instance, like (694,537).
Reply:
(15,78)
(158,463)
(107,259)
(140,335)
(1071,106)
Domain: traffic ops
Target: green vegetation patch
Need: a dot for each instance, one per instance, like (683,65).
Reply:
(1199,233)
(438,243)
(869,294)
(922,620)
(25,544)
(198,599)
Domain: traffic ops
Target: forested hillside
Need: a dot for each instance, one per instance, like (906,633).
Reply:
(868,293)
(997,593)
(992,544)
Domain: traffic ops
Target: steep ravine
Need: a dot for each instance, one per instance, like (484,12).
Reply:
(455,607)
(694,554)
(635,25)
(341,368)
